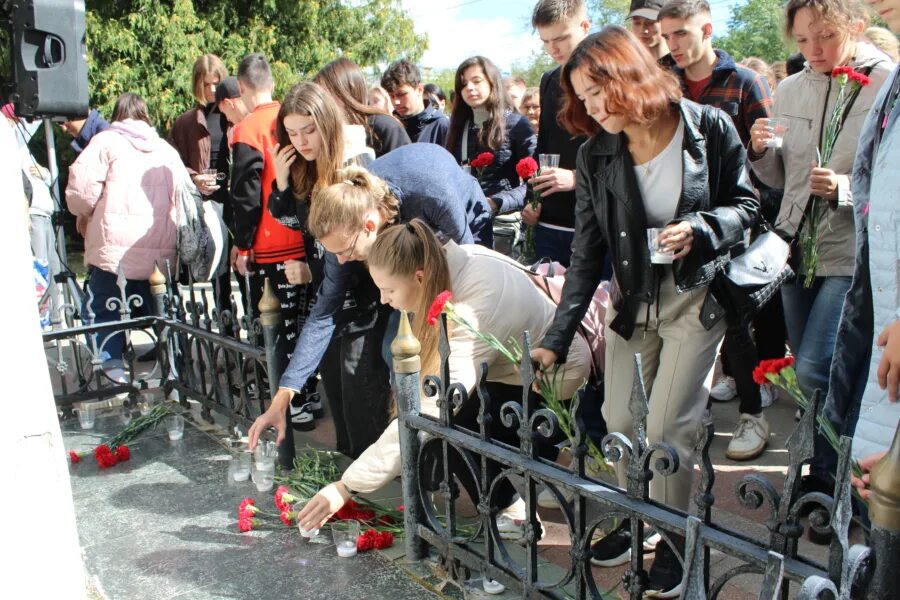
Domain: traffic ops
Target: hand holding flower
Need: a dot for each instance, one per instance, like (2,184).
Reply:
(823,182)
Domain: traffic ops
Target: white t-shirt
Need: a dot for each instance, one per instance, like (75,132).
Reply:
(659,180)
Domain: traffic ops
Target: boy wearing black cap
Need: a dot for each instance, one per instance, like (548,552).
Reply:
(228,98)
(643,15)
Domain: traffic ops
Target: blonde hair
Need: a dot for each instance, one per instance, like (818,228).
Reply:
(886,41)
(311,100)
(345,204)
(208,64)
(403,249)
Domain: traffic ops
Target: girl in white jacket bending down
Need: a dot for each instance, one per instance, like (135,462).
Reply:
(496,296)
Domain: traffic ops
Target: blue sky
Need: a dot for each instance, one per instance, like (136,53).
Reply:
(498,29)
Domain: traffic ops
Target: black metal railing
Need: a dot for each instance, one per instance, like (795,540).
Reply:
(776,560)
(229,365)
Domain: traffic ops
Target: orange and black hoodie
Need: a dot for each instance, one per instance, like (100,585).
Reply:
(253,173)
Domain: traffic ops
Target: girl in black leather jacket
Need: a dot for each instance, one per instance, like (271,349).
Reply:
(654,160)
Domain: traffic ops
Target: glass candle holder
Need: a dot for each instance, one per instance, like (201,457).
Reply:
(345,534)
(175,427)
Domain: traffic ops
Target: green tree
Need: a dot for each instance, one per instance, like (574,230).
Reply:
(149,46)
(532,68)
(608,12)
(754,29)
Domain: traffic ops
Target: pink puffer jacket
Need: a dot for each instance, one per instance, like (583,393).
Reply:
(124,182)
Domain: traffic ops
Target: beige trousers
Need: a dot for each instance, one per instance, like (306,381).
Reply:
(678,356)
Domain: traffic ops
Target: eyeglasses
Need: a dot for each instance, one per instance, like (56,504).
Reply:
(349,251)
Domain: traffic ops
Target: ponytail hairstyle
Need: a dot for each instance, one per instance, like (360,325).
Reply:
(402,250)
(493,132)
(344,204)
(310,100)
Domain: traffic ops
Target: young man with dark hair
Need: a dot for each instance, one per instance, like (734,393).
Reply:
(561,25)
(228,99)
(264,247)
(710,76)
(644,17)
(423,121)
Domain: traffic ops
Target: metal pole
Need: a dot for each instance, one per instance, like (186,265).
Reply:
(59,236)
(884,509)
(405,349)
(270,319)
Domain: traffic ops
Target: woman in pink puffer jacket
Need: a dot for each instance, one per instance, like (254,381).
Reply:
(122,188)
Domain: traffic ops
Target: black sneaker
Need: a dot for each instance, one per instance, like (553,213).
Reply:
(615,547)
(301,415)
(665,573)
(315,405)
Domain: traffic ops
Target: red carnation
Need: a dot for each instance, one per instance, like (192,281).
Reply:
(73,456)
(245,525)
(104,456)
(364,543)
(437,307)
(485,159)
(526,168)
(788,361)
(245,503)
(363,515)
(123,453)
(287,517)
(383,540)
(759,376)
(859,78)
(346,512)
(279,500)
(838,71)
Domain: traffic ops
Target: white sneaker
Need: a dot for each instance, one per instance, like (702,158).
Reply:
(511,521)
(724,390)
(768,393)
(494,588)
(749,438)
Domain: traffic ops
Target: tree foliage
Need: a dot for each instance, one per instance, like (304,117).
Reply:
(754,29)
(608,12)
(149,46)
(532,68)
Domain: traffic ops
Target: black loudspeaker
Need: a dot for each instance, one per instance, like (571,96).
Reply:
(48,58)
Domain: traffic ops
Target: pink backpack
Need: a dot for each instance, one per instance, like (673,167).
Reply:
(550,277)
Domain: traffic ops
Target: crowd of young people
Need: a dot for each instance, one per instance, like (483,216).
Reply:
(353,201)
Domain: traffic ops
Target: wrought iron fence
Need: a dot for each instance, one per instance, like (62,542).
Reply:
(229,365)
(776,560)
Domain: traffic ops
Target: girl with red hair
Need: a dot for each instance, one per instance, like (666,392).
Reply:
(652,160)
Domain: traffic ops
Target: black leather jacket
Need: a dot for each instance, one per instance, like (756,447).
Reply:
(717,199)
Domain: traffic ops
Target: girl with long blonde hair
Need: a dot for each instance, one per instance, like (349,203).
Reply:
(410,267)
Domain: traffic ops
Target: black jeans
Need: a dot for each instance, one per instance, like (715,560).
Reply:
(467,418)
(740,354)
(357,382)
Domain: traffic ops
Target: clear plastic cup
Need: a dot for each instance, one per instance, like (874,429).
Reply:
(345,534)
(87,415)
(779,128)
(239,467)
(658,255)
(548,161)
(264,474)
(175,427)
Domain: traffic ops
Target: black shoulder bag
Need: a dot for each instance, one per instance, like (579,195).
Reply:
(748,281)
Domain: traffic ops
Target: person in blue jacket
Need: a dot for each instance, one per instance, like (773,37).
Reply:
(345,330)
(482,122)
